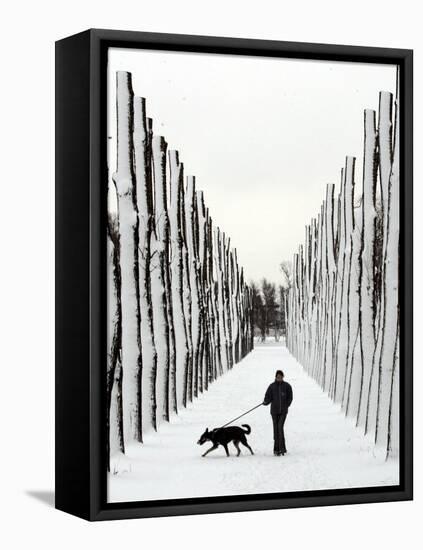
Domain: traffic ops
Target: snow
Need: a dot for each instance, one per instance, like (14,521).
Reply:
(325,449)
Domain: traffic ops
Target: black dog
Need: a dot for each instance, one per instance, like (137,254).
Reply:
(223,436)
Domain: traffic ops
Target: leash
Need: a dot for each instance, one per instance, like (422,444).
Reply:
(256,407)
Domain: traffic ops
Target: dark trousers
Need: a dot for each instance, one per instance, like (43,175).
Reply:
(278,434)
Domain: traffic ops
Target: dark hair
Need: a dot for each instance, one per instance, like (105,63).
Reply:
(279,372)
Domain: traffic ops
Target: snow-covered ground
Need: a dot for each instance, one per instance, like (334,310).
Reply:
(325,450)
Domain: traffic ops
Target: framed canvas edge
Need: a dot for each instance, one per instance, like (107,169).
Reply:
(90,449)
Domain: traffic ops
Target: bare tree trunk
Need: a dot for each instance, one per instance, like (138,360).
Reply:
(210,302)
(159,268)
(204,274)
(191,230)
(384,140)
(177,272)
(322,303)
(188,384)
(388,361)
(235,305)
(124,180)
(174,285)
(219,261)
(341,325)
(170,378)
(353,380)
(349,228)
(227,301)
(341,292)
(200,248)
(213,306)
(367,306)
(331,278)
(114,421)
(142,158)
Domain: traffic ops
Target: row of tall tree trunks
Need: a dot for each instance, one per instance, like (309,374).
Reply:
(343,304)
(179,310)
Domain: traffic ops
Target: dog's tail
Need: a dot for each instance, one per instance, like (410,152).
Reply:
(248,428)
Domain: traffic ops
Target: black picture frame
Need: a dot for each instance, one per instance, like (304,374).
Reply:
(81,173)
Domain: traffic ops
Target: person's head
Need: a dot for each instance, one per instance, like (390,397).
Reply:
(279,376)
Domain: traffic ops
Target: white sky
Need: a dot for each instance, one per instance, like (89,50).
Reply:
(263,136)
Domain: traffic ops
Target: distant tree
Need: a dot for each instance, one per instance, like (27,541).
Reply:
(286,269)
(270,306)
(257,308)
(268,302)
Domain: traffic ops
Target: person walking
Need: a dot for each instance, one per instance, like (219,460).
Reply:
(279,396)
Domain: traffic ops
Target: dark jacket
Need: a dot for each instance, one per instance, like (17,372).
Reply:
(279,394)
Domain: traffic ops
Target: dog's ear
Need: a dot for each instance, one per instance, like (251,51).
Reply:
(207,430)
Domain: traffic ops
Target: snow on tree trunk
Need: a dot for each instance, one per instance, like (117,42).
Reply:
(174,285)
(219,276)
(235,290)
(170,384)
(211,304)
(142,158)
(214,304)
(227,301)
(339,301)
(385,163)
(177,275)
(321,360)
(331,278)
(344,337)
(188,385)
(342,308)
(389,326)
(204,286)
(191,231)
(354,375)
(367,307)
(159,244)
(124,180)
(114,339)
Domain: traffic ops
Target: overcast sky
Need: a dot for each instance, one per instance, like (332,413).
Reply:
(263,136)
